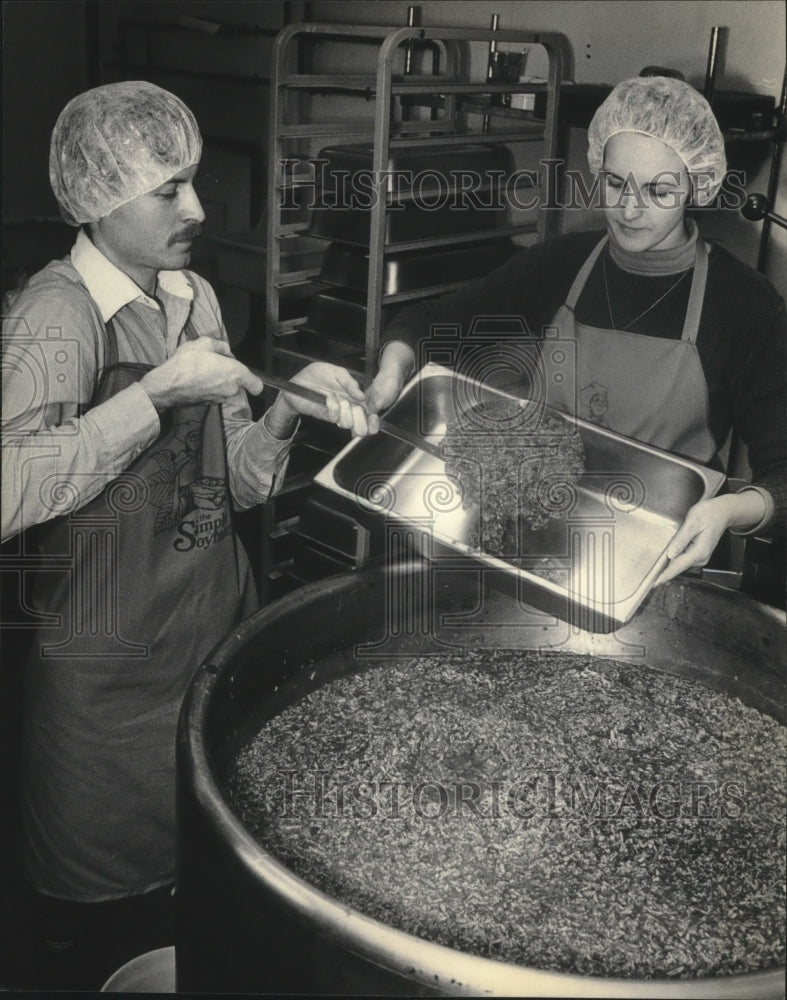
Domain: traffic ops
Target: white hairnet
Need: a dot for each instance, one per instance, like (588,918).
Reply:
(114,143)
(674,112)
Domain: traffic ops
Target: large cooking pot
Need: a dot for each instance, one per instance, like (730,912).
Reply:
(248,924)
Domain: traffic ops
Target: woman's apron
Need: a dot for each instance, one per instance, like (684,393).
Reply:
(151,578)
(649,388)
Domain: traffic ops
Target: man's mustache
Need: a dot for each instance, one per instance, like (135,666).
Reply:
(189,233)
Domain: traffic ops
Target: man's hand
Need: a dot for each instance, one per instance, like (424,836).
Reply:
(396,365)
(345,403)
(200,371)
(705,523)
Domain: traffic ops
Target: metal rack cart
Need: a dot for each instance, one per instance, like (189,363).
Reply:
(465,108)
(420,90)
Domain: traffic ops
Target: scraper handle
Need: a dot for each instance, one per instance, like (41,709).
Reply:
(284,385)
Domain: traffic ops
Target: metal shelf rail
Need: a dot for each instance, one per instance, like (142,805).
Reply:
(389,133)
(406,100)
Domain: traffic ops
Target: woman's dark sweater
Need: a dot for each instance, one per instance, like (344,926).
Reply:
(741,339)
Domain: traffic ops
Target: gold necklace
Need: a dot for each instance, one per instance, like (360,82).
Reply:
(653,305)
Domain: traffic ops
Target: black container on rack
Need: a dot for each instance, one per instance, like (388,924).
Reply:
(412,270)
(428,191)
(339,314)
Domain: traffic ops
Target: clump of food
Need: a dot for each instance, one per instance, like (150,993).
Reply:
(566,813)
(513,465)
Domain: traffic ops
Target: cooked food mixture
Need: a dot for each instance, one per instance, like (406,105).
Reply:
(512,469)
(560,812)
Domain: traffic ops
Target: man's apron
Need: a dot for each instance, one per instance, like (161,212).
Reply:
(649,388)
(151,577)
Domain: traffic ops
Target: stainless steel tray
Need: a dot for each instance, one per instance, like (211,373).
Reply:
(593,565)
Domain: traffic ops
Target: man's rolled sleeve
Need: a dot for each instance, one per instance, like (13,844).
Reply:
(125,425)
(85,452)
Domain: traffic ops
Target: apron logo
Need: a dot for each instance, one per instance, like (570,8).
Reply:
(177,491)
(594,403)
(202,530)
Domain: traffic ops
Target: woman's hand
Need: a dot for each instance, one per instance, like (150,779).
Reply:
(705,523)
(345,403)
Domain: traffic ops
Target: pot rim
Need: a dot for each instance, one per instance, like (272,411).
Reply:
(423,961)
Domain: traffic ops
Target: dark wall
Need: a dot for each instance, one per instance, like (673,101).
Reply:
(44,65)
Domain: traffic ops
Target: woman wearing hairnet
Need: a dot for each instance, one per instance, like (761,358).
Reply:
(127,438)
(678,341)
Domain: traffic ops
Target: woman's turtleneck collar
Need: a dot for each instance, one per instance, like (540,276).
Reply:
(654,262)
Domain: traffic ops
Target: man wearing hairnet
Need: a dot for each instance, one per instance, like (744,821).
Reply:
(676,341)
(127,437)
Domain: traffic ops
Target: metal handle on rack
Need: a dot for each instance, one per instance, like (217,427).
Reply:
(490,67)
(757,207)
(413,17)
(713,64)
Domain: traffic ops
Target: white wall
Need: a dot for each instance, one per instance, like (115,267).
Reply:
(45,64)
(614,39)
